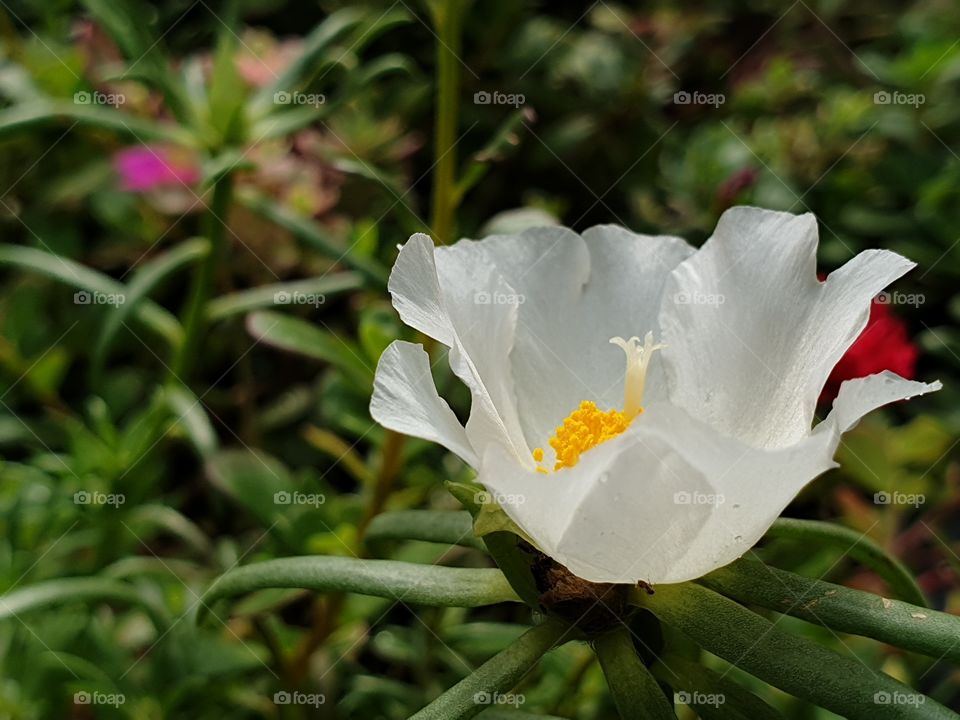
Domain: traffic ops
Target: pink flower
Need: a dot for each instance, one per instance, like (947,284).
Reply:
(146,168)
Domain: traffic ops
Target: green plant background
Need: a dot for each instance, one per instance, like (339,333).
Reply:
(201,398)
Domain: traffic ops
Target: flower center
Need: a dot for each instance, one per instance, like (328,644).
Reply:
(588,426)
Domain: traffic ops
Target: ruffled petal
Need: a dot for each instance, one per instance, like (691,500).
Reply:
(405,399)
(752,335)
(479,335)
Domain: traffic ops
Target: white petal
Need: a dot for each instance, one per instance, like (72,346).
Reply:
(672,498)
(575,294)
(752,335)
(863,395)
(405,399)
(480,336)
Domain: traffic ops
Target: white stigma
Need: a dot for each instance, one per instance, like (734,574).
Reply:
(638,359)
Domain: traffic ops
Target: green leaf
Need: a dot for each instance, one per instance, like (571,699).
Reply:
(145,519)
(448,528)
(855,545)
(497,676)
(314,46)
(797,666)
(147,277)
(284,293)
(702,689)
(313,234)
(635,691)
(79,276)
(124,21)
(400,581)
(78,589)
(898,623)
(255,480)
(298,336)
(191,417)
(43,111)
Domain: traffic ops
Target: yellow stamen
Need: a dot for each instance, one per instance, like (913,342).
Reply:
(588,426)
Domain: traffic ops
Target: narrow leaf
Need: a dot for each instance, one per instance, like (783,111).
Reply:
(635,691)
(149,275)
(298,336)
(448,528)
(898,623)
(855,545)
(497,676)
(310,291)
(797,666)
(79,276)
(400,581)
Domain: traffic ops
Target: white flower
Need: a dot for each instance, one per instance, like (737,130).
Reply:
(691,479)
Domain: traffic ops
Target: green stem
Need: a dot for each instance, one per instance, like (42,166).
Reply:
(448,21)
(635,691)
(195,316)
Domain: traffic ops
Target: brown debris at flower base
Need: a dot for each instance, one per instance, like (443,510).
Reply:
(592,607)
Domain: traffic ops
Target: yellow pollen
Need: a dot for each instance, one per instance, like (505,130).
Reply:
(588,426)
(584,428)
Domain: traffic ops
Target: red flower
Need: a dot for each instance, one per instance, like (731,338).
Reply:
(884,344)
